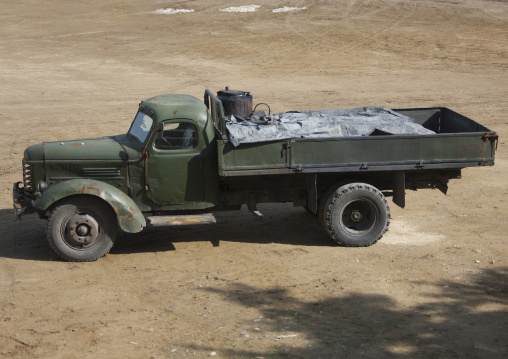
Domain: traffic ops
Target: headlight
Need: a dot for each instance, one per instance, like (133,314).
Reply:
(42,186)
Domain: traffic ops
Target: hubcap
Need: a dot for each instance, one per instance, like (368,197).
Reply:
(82,230)
(356,215)
(359,217)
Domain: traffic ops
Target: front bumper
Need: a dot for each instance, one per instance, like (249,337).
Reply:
(21,202)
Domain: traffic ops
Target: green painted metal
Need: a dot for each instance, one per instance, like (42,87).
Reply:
(103,159)
(130,218)
(34,152)
(181,179)
(175,176)
(139,176)
(270,157)
(216,111)
(103,148)
(154,179)
(136,171)
(33,158)
(459,142)
(166,107)
(372,152)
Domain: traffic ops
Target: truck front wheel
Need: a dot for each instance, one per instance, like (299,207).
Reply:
(356,215)
(82,229)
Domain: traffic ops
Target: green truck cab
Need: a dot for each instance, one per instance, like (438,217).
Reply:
(176,166)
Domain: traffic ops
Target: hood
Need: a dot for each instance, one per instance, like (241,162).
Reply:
(102,148)
(34,153)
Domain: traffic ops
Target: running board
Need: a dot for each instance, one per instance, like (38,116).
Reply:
(180,220)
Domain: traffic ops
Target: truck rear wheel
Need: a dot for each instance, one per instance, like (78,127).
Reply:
(82,229)
(356,215)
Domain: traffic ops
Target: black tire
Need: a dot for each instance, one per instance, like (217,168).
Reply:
(324,199)
(356,215)
(82,229)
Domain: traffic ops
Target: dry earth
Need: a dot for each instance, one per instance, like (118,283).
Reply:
(434,287)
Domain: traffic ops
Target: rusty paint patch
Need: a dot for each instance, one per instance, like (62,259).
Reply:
(489,136)
(75,145)
(93,190)
(182,221)
(478,149)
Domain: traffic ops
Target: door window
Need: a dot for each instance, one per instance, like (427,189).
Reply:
(177,136)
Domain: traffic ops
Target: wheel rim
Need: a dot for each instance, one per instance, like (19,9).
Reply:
(359,217)
(81,231)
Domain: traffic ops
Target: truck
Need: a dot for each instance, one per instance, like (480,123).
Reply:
(177,165)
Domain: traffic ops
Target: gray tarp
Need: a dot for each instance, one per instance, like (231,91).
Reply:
(361,121)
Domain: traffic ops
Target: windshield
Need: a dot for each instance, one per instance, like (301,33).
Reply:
(141,126)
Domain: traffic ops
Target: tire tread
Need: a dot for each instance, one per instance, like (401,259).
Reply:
(79,202)
(336,195)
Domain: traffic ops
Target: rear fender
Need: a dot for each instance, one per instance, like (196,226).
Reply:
(130,218)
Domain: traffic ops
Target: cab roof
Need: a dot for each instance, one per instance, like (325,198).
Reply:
(174,106)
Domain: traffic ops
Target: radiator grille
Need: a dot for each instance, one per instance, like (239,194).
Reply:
(27,179)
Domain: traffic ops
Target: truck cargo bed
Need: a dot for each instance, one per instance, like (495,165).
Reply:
(459,142)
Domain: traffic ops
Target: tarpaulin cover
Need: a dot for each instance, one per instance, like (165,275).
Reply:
(363,121)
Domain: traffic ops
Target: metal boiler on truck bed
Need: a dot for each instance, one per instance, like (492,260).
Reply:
(177,165)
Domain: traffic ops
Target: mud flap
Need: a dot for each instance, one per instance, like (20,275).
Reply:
(399,188)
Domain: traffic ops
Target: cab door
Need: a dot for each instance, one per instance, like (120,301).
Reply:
(174,173)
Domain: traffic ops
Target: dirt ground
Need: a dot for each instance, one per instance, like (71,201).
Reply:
(436,286)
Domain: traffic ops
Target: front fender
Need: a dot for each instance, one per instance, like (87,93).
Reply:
(130,218)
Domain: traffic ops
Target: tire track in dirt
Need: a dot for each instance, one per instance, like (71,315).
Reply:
(408,8)
(371,14)
(348,18)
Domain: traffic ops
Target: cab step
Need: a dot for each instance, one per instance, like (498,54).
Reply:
(181,220)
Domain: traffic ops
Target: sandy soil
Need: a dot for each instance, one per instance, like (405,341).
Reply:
(434,287)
